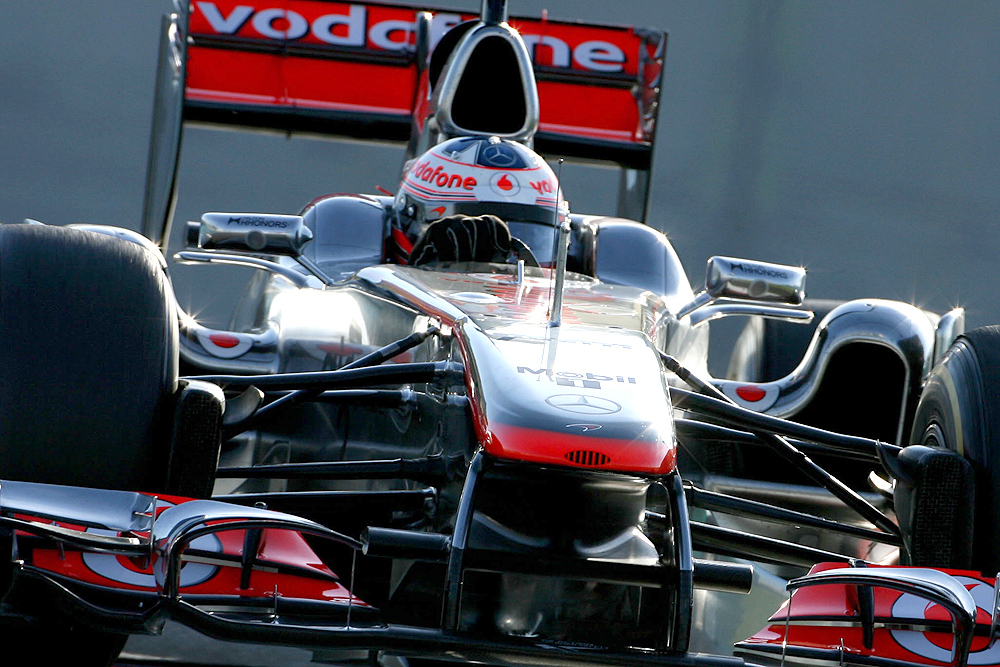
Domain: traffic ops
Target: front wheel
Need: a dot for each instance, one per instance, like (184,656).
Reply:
(959,410)
(87,384)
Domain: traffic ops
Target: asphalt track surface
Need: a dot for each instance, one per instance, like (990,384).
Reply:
(179,645)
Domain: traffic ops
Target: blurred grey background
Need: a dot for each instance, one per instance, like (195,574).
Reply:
(859,139)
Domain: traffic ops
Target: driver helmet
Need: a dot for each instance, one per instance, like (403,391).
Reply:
(477,176)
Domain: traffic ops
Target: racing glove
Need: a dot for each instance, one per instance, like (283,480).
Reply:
(461,238)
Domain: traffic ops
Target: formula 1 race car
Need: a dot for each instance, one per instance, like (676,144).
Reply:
(460,423)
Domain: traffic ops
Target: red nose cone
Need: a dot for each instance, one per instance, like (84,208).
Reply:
(504,183)
(224,340)
(750,394)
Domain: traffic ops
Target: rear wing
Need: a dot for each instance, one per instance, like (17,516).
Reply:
(364,70)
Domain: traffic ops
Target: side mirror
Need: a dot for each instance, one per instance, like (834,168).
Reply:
(758,281)
(254,232)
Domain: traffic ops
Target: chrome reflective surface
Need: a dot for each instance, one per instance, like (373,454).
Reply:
(295,277)
(759,281)
(122,511)
(178,526)
(949,327)
(786,494)
(255,232)
(898,326)
(555,317)
(995,613)
(252,352)
(715,310)
(447,88)
(932,585)
(165,138)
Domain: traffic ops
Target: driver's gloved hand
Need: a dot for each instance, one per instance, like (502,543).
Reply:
(461,238)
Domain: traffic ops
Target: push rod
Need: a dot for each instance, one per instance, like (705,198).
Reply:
(712,400)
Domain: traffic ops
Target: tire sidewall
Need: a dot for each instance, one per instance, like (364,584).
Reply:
(958,410)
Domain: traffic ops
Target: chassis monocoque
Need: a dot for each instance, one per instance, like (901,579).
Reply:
(484,462)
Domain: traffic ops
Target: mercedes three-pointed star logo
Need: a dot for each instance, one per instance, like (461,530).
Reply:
(499,156)
(582,404)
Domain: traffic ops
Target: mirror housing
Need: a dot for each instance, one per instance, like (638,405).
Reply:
(268,233)
(758,281)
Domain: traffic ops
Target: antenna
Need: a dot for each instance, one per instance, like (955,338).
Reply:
(494,12)
(562,246)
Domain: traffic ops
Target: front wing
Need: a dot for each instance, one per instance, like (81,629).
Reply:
(127,562)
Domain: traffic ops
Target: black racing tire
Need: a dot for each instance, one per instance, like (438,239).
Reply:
(89,337)
(959,409)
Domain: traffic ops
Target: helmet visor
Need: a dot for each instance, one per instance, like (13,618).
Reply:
(540,239)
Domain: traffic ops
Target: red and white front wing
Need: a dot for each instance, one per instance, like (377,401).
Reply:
(242,565)
(824,623)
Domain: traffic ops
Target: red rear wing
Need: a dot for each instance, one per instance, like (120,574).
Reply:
(353,70)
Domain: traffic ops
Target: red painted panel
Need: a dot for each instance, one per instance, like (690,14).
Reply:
(279,54)
(519,443)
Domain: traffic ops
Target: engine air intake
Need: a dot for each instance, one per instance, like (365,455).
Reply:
(585,457)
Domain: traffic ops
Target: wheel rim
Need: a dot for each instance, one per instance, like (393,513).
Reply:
(934,436)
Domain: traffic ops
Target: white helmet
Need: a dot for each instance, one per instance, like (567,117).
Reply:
(477,176)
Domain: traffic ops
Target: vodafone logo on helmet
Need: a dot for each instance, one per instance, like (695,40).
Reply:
(440,176)
(505,184)
(382,27)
